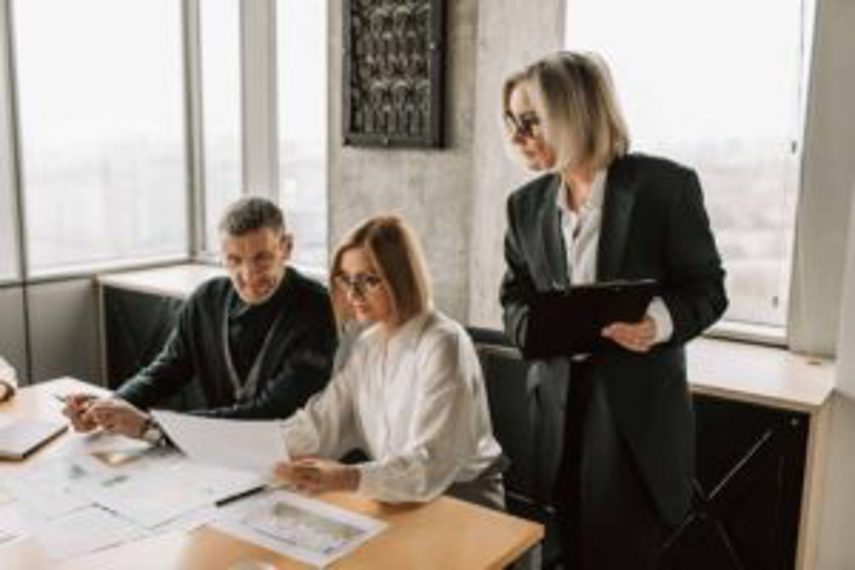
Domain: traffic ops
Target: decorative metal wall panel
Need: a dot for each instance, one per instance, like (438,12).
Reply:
(393,62)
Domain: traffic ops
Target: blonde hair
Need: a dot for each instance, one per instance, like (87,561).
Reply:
(576,102)
(394,250)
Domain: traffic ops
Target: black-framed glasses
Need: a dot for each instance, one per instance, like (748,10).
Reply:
(524,125)
(360,284)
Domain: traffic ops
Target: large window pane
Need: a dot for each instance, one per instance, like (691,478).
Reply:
(302,75)
(221,103)
(102,128)
(697,85)
(8,247)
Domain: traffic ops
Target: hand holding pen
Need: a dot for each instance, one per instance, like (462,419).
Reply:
(76,406)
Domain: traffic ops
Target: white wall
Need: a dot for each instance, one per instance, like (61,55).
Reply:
(830,178)
(828,170)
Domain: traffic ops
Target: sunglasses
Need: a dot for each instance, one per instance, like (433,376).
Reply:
(524,125)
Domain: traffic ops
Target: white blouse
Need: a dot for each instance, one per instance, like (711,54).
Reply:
(414,401)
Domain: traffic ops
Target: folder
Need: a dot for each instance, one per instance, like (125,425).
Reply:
(570,322)
(22,437)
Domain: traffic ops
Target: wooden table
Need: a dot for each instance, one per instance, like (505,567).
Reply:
(446,533)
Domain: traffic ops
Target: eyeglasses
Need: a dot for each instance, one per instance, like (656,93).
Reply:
(360,284)
(524,125)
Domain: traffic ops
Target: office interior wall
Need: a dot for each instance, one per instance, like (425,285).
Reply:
(835,547)
(13,345)
(511,34)
(431,188)
(64,330)
(828,173)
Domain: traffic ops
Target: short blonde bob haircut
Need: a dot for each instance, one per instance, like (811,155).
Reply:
(394,251)
(574,99)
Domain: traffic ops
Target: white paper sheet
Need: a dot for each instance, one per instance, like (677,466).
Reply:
(164,485)
(84,531)
(13,524)
(305,529)
(149,487)
(47,487)
(251,445)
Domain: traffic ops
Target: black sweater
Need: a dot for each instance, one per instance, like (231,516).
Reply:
(297,362)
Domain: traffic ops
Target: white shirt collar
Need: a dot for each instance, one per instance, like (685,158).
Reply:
(595,199)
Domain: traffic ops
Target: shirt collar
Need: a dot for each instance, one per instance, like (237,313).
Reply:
(594,202)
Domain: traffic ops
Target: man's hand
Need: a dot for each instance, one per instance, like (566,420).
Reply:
(116,416)
(76,406)
(637,337)
(316,475)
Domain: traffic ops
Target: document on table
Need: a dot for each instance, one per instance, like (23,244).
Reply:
(12,524)
(239,444)
(84,531)
(150,489)
(163,485)
(302,528)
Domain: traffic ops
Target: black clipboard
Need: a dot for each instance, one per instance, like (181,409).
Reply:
(569,322)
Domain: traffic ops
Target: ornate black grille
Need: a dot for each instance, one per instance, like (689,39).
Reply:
(393,60)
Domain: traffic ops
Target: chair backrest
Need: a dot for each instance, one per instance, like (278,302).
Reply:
(513,410)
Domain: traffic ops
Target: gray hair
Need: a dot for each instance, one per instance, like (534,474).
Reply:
(575,99)
(249,214)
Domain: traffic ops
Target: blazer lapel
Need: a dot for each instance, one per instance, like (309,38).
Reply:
(617,210)
(553,241)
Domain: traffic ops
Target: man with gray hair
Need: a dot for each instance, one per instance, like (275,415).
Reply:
(260,342)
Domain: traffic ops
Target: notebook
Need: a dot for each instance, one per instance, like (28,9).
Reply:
(569,322)
(22,437)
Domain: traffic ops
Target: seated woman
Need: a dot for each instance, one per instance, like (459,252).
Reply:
(8,381)
(411,393)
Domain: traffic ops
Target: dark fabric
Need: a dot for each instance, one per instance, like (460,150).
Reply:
(297,363)
(248,327)
(654,226)
(601,498)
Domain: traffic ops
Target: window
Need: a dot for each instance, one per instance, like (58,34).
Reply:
(699,85)
(8,249)
(8,243)
(302,102)
(102,126)
(219,26)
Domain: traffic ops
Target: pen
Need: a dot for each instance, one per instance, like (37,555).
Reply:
(64,398)
(241,495)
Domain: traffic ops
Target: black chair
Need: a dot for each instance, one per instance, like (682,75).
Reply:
(514,413)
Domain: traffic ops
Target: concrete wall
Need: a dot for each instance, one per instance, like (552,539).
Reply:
(454,197)
(510,34)
(430,188)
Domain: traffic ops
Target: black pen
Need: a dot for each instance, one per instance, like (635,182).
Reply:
(241,495)
(64,398)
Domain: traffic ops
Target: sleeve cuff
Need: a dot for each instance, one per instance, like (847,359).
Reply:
(658,311)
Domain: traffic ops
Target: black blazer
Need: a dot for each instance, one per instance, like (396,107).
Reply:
(653,226)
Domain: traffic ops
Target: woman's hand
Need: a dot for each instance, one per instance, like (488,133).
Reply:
(316,475)
(637,337)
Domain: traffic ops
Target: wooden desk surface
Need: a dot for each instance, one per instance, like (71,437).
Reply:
(445,533)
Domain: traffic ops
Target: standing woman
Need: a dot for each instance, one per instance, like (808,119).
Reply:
(622,417)
(410,394)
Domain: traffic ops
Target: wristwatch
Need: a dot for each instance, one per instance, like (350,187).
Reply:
(152,433)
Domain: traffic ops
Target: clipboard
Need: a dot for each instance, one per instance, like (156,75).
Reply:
(569,322)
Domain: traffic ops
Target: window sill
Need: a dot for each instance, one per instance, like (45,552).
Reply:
(769,376)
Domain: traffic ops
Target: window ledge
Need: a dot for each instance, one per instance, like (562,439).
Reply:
(176,281)
(764,375)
